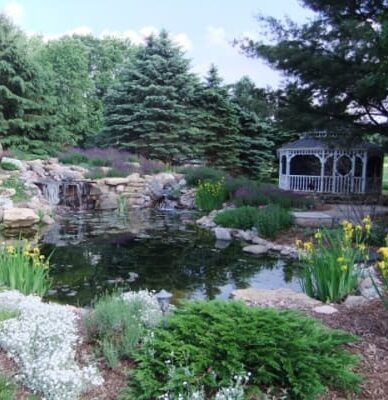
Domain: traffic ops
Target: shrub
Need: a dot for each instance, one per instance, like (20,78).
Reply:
(95,173)
(7,166)
(378,234)
(210,196)
(207,343)
(249,196)
(253,194)
(7,389)
(148,167)
(329,272)
(23,268)
(268,221)
(118,323)
(72,157)
(195,176)
(273,219)
(119,171)
(16,183)
(239,218)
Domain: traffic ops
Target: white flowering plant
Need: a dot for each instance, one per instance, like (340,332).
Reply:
(42,339)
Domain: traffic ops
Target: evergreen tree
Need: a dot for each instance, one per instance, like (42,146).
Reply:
(217,123)
(257,146)
(148,110)
(27,118)
(337,64)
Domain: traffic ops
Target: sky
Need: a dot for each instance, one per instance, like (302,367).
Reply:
(203,28)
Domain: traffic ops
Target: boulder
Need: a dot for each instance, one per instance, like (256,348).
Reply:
(135,178)
(355,301)
(278,298)
(7,192)
(37,167)
(244,235)
(187,199)
(19,218)
(259,240)
(5,203)
(223,234)
(206,221)
(17,163)
(47,220)
(156,189)
(107,201)
(116,181)
(325,309)
(256,249)
(312,219)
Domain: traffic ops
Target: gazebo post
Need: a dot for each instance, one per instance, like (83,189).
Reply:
(335,155)
(364,163)
(352,172)
(321,183)
(288,159)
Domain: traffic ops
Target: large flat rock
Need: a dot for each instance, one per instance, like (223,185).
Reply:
(116,181)
(19,218)
(256,249)
(313,219)
(277,298)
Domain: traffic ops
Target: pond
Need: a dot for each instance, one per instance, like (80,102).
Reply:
(94,252)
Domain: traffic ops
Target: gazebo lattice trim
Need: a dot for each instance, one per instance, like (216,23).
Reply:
(324,183)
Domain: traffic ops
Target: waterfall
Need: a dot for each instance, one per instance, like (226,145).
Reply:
(74,194)
(50,191)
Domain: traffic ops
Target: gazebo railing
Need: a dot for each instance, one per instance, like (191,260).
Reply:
(325,184)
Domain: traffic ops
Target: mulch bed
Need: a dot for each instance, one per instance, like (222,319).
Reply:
(370,323)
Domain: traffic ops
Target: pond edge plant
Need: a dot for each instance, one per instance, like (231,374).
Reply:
(330,272)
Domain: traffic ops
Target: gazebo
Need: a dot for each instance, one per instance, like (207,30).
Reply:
(318,162)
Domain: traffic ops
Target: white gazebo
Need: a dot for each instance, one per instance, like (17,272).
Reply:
(321,163)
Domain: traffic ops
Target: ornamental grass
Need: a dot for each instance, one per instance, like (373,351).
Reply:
(329,272)
(23,268)
(382,266)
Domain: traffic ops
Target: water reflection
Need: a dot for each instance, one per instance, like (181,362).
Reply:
(94,252)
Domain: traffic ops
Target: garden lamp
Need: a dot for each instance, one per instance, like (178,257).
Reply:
(164,299)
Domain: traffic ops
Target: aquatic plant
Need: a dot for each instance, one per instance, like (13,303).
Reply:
(329,272)
(23,268)
(382,266)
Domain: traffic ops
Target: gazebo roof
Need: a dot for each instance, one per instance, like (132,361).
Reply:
(327,142)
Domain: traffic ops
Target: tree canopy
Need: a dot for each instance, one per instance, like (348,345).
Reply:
(147,110)
(336,64)
(28,118)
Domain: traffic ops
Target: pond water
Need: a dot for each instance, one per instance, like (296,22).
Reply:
(94,252)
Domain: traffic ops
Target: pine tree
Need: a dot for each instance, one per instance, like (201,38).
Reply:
(147,112)
(27,116)
(257,147)
(218,123)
